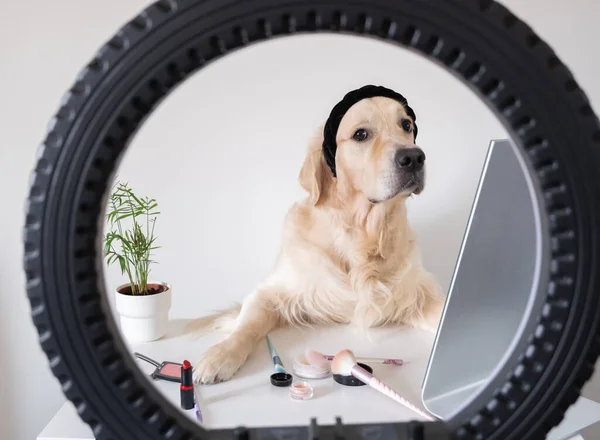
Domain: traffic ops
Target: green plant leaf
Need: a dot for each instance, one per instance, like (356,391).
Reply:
(131,240)
(123,264)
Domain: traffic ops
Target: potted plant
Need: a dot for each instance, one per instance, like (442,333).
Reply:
(143,305)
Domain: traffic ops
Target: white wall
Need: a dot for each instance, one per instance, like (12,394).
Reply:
(231,170)
(234,132)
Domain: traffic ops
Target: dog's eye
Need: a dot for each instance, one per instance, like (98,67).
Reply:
(406,125)
(360,135)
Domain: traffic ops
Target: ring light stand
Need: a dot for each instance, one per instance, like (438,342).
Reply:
(484,45)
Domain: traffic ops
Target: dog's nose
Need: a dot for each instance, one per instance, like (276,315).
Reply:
(410,159)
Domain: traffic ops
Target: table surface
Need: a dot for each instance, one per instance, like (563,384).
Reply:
(249,399)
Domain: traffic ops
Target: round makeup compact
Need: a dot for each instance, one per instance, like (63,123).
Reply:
(305,370)
(351,381)
(301,390)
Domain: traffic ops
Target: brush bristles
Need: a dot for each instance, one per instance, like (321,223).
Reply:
(316,359)
(343,362)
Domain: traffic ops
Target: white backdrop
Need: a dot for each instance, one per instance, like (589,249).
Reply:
(222,155)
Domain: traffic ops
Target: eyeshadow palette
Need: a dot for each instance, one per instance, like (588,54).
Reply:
(166,370)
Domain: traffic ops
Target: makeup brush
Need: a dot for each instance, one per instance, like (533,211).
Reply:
(345,363)
(280,377)
(320,360)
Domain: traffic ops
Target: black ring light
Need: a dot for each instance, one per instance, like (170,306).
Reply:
(482,43)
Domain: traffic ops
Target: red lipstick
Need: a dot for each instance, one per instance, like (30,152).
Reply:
(186,389)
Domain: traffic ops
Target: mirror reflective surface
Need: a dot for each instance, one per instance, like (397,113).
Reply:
(495,287)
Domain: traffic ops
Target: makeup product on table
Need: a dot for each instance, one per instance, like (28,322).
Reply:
(344,363)
(197,406)
(186,389)
(280,377)
(188,394)
(170,371)
(301,391)
(351,381)
(304,369)
(318,359)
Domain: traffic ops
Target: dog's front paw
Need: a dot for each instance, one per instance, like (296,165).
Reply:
(219,363)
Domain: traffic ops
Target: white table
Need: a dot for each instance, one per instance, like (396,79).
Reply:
(249,399)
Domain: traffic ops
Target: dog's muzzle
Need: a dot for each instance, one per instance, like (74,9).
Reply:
(410,160)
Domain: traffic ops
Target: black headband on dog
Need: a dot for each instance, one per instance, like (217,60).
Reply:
(340,109)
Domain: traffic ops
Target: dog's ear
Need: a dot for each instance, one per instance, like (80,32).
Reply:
(314,171)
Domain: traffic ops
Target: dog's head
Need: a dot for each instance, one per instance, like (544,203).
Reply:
(374,156)
(376,153)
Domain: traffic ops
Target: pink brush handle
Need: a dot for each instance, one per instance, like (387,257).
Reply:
(368,360)
(373,382)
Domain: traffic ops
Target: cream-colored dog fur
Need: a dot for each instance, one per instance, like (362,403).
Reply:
(344,259)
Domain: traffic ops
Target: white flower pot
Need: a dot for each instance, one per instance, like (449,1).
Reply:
(143,318)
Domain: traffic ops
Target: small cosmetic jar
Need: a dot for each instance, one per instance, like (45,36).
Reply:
(304,370)
(351,381)
(301,390)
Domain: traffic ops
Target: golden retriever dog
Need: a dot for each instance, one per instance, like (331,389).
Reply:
(348,254)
